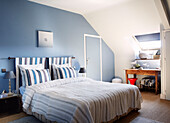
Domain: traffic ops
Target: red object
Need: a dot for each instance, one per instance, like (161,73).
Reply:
(132,81)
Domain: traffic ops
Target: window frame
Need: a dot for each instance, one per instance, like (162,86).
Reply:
(138,43)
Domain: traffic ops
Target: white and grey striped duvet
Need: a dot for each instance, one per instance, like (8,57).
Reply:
(82,100)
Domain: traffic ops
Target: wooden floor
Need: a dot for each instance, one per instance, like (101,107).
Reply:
(152,108)
(7,118)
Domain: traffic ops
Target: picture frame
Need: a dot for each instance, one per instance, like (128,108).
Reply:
(45,39)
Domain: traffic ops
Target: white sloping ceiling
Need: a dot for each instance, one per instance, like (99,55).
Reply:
(79,6)
(117,25)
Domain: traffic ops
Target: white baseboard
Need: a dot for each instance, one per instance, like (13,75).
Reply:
(162,96)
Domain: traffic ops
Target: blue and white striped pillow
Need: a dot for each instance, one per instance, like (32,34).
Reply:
(32,76)
(64,72)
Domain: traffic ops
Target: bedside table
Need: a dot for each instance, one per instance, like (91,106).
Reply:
(10,104)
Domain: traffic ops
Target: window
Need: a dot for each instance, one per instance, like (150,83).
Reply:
(149,41)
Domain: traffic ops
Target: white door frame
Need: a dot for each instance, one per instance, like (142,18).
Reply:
(85,55)
(163,65)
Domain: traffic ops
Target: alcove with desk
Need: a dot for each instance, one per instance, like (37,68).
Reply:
(149,68)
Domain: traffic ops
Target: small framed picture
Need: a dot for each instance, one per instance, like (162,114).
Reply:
(45,39)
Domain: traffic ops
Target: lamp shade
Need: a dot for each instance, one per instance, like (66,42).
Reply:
(82,70)
(9,75)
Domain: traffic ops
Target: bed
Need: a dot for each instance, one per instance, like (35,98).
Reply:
(80,99)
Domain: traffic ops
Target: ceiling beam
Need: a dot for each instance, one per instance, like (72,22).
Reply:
(166,9)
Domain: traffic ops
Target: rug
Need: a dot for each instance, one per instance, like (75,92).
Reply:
(144,120)
(28,119)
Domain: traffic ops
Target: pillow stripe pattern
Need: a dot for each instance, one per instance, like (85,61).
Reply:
(64,72)
(32,76)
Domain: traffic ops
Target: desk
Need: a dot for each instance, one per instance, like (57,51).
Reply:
(151,72)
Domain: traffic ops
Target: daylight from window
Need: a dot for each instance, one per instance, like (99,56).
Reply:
(150,45)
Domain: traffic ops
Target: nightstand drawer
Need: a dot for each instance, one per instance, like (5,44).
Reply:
(10,105)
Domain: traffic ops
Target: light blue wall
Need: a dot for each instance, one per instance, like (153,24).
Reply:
(19,22)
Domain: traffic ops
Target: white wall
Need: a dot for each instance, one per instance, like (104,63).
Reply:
(117,24)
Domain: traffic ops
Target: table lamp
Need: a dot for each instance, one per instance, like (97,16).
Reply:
(9,75)
(82,70)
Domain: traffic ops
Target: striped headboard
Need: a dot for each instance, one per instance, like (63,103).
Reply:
(59,61)
(26,61)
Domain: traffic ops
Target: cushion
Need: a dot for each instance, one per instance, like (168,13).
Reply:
(33,76)
(23,67)
(53,72)
(64,72)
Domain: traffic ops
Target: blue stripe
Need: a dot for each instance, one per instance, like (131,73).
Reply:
(63,60)
(60,72)
(40,75)
(41,60)
(67,60)
(35,79)
(20,60)
(31,61)
(55,73)
(69,71)
(35,60)
(60,60)
(52,60)
(28,77)
(65,72)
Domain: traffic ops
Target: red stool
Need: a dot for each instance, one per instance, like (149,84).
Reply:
(132,81)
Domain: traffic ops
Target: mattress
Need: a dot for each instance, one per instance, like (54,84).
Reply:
(80,100)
